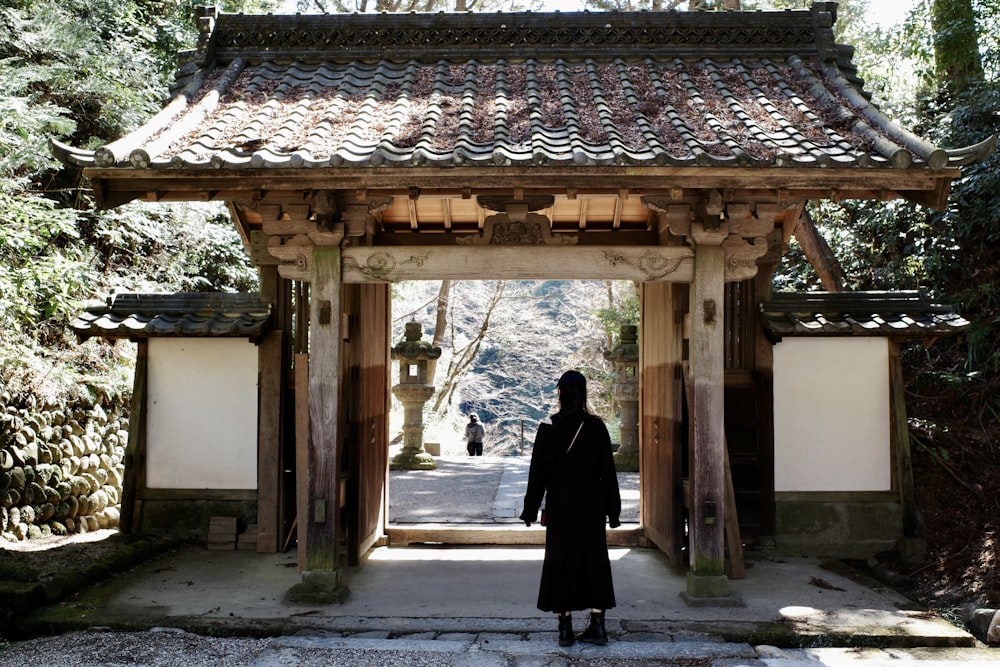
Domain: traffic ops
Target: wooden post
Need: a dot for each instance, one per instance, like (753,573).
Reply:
(913,546)
(135,451)
(301,457)
(268,442)
(707,578)
(321,574)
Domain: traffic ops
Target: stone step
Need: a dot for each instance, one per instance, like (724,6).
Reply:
(536,649)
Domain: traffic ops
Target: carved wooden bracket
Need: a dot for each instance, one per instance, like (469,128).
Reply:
(751,223)
(742,229)
(257,247)
(742,256)
(521,228)
(295,254)
(507,204)
(674,217)
(703,234)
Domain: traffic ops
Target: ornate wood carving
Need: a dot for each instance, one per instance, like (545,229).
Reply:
(654,266)
(486,36)
(295,253)
(674,218)
(294,257)
(355,219)
(511,204)
(741,229)
(488,262)
(742,255)
(522,228)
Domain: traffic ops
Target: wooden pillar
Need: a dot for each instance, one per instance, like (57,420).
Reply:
(269,385)
(269,442)
(135,453)
(913,546)
(321,575)
(706,578)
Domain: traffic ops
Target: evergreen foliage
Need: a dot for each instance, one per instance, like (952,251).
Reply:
(88,71)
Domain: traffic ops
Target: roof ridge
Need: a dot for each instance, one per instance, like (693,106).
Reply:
(546,35)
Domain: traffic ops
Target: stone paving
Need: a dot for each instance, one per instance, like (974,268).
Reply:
(442,606)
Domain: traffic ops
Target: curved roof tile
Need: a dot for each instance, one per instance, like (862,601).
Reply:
(908,314)
(714,89)
(194,314)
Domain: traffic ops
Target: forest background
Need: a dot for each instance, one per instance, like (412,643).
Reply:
(89,71)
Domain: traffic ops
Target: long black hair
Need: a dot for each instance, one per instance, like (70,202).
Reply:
(572,388)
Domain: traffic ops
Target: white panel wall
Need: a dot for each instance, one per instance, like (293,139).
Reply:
(831,414)
(202,414)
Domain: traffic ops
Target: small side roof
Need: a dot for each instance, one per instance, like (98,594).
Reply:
(905,314)
(182,314)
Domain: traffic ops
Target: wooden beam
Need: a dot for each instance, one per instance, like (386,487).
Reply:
(849,181)
(444,533)
(446,214)
(619,205)
(411,207)
(227,495)
(489,262)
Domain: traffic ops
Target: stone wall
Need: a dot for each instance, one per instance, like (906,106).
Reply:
(61,466)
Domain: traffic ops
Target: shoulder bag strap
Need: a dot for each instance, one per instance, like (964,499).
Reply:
(572,442)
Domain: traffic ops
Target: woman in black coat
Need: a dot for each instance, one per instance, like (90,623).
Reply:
(573,467)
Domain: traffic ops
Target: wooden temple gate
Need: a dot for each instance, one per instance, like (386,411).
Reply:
(673,149)
(707,251)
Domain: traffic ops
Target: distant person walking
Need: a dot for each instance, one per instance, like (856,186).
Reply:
(573,467)
(474,433)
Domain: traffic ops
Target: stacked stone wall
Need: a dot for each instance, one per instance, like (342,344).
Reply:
(61,465)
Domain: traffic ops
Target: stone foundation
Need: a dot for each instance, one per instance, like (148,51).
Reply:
(837,524)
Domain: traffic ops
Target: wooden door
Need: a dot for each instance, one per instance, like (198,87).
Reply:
(660,400)
(748,421)
(748,430)
(366,449)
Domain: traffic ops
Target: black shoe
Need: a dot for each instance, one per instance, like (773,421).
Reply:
(566,630)
(595,632)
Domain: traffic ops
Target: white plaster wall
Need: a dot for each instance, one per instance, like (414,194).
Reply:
(831,414)
(202,414)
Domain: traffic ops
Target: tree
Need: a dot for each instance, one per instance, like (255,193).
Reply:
(505,345)
(88,71)
(957,61)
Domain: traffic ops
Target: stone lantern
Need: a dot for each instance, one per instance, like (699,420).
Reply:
(413,391)
(625,390)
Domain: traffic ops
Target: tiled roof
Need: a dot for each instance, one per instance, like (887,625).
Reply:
(678,89)
(181,314)
(908,314)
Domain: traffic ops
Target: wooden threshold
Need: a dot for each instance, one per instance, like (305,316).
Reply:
(490,533)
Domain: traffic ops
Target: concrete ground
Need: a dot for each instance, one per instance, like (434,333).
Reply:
(474,605)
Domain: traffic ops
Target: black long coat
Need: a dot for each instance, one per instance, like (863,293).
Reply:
(580,490)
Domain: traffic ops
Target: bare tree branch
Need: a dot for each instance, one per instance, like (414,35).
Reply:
(463,358)
(440,325)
